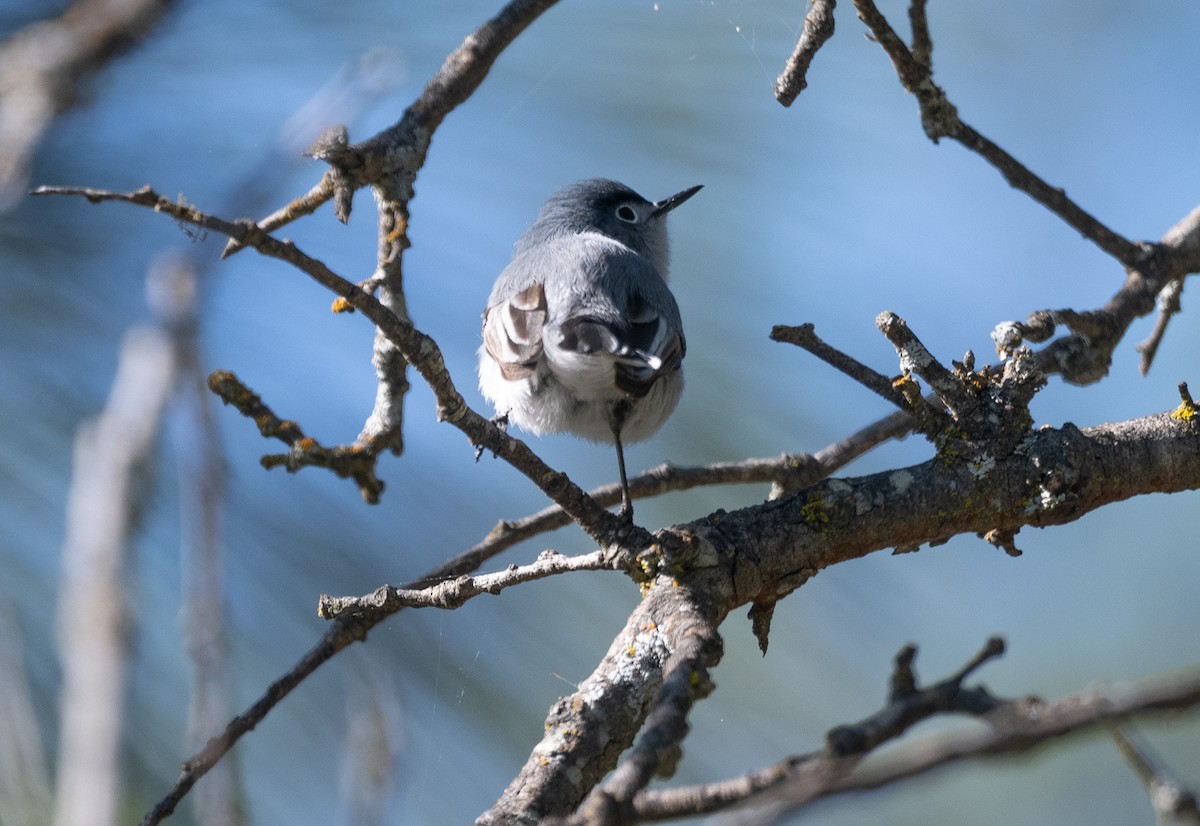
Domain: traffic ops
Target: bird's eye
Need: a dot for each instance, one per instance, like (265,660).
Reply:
(627,214)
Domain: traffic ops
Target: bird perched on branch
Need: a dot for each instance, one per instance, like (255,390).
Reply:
(581,333)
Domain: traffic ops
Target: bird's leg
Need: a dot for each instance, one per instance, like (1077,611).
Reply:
(616,419)
(626,501)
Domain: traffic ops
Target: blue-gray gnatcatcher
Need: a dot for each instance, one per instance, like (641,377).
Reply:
(581,333)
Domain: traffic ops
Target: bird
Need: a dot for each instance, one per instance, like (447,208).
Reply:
(581,333)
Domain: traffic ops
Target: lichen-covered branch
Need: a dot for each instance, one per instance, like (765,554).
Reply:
(655,669)
(759,554)
(451,593)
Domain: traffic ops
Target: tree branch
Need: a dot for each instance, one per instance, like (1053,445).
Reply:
(759,554)
(818,28)
(1013,727)
(785,473)
(93,609)
(805,336)
(653,672)
(355,461)
(1085,354)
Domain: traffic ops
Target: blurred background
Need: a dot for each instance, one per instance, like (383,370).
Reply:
(828,212)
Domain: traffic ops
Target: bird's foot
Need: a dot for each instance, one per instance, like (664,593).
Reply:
(500,420)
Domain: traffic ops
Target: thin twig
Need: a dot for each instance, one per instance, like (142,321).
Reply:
(804,336)
(1085,356)
(452,593)
(306,204)
(1168,306)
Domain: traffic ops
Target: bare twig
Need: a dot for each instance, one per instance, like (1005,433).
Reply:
(1183,241)
(1168,306)
(340,635)
(909,704)
(915,358)
(1085,356)
(388,153)
(818,28)
(306,204)
(845,745)
(1022,725)
(805,336)
(451,593)
(1187,408)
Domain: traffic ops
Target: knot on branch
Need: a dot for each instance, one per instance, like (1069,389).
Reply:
(939,117)
(1055,487)
(986,410)
(345,163)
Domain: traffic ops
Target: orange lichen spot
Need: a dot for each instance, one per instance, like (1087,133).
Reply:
(341,305)
(399,230)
